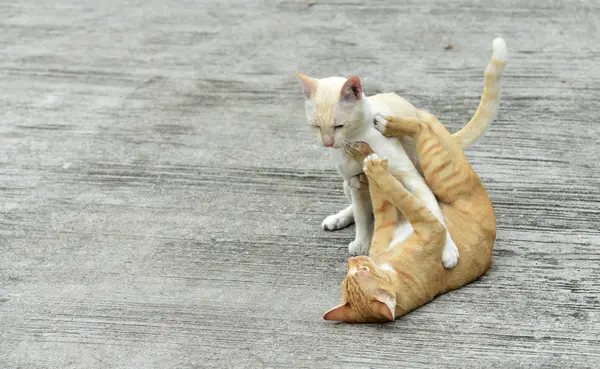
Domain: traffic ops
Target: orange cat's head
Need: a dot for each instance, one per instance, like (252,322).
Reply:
(335,108)
(367,293)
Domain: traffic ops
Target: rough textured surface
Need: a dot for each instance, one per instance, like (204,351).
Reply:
(161,194)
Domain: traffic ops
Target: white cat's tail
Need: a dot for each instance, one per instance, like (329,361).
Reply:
(490,100)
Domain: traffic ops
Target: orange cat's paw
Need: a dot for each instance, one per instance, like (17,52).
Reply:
(373,165)
(380,123)
(358,150)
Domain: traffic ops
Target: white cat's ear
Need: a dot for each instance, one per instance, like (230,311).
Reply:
(352,90)
(386,304)
(308,84)
(341,313)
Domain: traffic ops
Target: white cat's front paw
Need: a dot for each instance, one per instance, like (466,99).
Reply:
(359,247)
(380,123)
(450,254)
(337,221)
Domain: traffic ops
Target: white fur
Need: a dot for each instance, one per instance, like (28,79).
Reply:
(324,108)
(380,123)
(450,253)
(500,50)
(358,181)
(401,233)
(363,209)
(387,268)
(340,220)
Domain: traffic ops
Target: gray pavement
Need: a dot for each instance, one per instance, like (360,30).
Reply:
(161,194)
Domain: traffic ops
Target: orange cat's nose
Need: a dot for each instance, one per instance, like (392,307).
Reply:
(352,261)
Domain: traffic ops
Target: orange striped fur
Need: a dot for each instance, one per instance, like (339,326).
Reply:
(397,278)
(403,273)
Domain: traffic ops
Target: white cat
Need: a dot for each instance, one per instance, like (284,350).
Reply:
(340,113)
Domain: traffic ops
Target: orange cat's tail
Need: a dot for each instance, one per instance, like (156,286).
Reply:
(490,100)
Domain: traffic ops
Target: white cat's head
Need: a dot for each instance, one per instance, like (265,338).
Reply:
(335,108)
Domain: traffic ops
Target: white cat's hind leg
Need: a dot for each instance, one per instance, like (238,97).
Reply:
(450,253)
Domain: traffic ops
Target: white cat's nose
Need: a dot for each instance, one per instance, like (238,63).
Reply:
(327,140)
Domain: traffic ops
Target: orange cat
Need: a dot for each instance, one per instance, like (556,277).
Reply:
(398,277)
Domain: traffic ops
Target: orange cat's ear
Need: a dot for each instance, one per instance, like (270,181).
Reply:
(386,304)
(384,310)
(308,84)
(352,90)
(341,313)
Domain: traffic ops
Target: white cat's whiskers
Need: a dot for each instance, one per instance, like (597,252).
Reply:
(343,142)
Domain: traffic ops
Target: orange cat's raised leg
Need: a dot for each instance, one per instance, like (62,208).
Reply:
(424,223)
(446,170)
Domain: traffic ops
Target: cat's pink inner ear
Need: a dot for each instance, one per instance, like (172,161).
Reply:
(386,304)
(341,313)
(385,311)
(352,90)
(308,84)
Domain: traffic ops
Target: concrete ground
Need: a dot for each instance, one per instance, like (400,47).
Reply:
(161,194)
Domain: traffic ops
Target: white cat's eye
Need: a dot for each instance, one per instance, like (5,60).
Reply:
(338,126)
